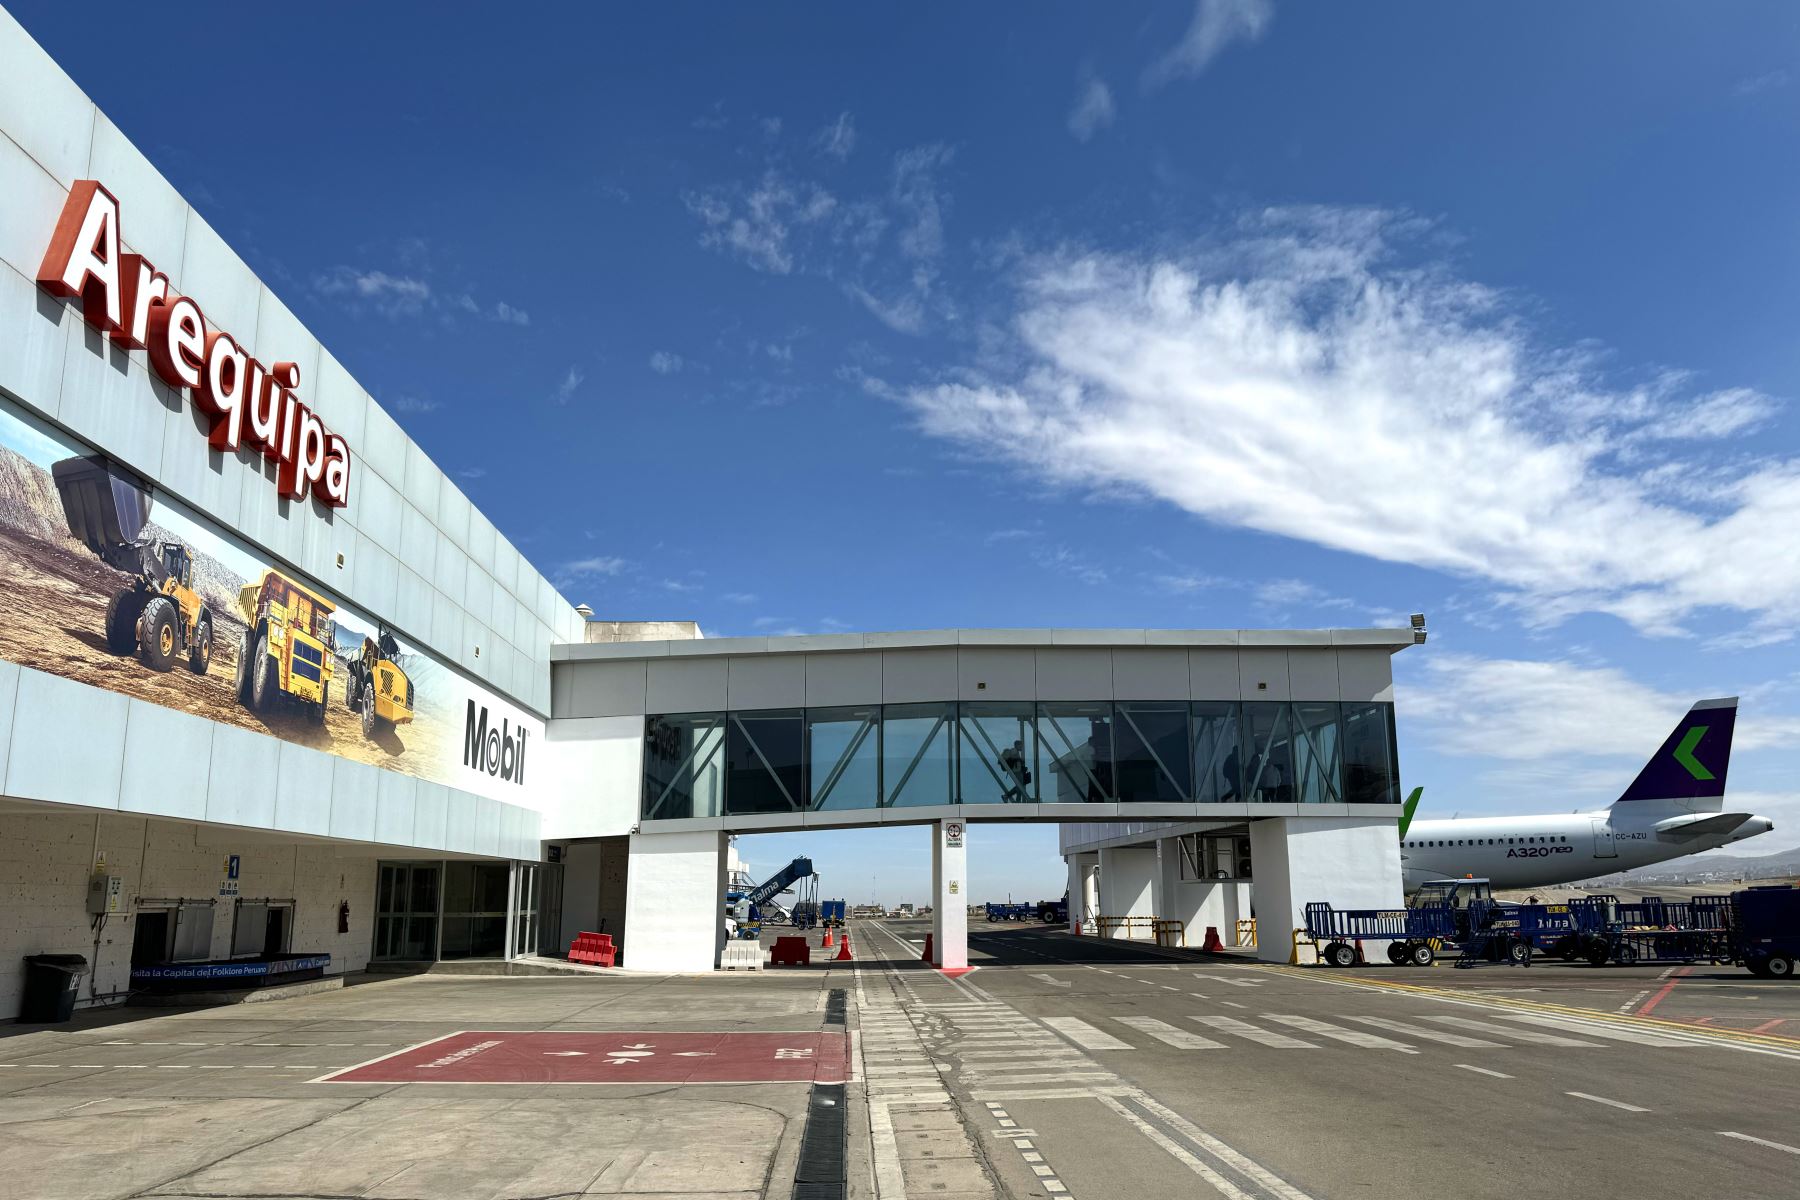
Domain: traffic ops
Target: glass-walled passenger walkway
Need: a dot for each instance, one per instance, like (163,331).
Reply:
(916,755)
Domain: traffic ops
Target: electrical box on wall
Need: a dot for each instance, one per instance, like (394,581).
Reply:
(106,894)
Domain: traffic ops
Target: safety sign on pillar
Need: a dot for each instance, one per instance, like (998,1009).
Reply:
(950,912)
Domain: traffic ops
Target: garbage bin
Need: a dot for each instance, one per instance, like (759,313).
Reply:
(51,983)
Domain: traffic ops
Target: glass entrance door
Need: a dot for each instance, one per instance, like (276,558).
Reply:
(406,912)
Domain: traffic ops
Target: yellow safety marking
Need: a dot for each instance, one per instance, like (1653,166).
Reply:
(1711,1031)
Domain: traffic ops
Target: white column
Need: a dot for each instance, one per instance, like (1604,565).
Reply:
(674,902)
(1075,890)
(1090,886)
(1349,862)
(1127,883)
(949,895)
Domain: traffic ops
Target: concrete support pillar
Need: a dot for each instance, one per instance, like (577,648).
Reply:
(675,902)
(1350,862)
(1090,886)
(1127,884)
(949,895)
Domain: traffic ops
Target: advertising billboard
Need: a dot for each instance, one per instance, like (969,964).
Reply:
(112,583)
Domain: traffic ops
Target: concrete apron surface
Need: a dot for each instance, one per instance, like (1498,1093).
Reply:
(230,1102)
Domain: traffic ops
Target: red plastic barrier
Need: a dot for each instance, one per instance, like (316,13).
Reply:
(593,949)
(790,952)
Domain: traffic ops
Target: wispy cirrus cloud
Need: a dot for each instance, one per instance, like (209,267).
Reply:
(837,139)
(1305,373)
(1215,25)
(1094,109)
(571,383)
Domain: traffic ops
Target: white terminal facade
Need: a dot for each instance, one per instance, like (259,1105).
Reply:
(271,686)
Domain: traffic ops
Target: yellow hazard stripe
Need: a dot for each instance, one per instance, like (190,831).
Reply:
(1321,974)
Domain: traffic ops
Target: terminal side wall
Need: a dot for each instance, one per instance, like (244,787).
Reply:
(46,859)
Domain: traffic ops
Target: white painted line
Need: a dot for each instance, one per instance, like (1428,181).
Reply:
(1430,1035)
(1200,996)
(1744,1137)
(1085,1035)
(1604,1100)
(1596,1030)
(1519,1035)
(1244,1029)
(1163,1032)
(889,1183)
(1242,1163)
(1234,1004)
(1484,1071)
(1355,1037)
(1176,1151)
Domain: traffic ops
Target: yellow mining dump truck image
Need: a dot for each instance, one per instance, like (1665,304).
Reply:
(158,614)
(378,689)
(286,653)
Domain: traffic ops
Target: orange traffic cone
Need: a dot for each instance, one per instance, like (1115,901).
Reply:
(1212,945)
(926,957)
(827,942)
(843,954)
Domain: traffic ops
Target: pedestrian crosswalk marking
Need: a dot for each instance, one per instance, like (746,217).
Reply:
(1613,1032)
(1169,1035)
(1254,1033)
(1354,1037)
(1522,1035)
(1084,1035)
(1430,1035)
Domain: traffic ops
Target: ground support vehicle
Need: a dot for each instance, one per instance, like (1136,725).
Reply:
(1010,912)
(286,656)
(158,614)
(745,907)
(1054,912)
(1413,934)
(1763,925)
(378,690)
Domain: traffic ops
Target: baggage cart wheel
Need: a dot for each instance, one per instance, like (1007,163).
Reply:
(1518,951)
(1398,953)
(1778,966)
(1422,954)
(1598,953)
(1340,954)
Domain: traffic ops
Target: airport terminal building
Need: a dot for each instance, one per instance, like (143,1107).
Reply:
(273,691)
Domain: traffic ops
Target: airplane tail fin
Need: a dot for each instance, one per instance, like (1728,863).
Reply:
(1691,764)
(1407,810)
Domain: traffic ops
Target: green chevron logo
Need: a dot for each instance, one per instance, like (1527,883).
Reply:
(1684,753)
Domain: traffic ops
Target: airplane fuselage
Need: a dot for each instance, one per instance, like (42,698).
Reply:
(1540,851)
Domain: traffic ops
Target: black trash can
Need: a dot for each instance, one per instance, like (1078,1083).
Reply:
(51,984)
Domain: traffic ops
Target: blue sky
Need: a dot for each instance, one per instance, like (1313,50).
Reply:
(1239,314)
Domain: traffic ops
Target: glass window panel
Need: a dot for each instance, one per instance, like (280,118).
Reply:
(1150,740)
(1318,761)
(1075,753)
(916,759)
(684,768)
(1370,774)
(843,757)
(995,753)
(1218,765)
(492,883)
(459,887)
(423,885)
(1268,753)
(763,772)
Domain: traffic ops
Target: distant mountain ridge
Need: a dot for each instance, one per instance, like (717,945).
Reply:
(28,499)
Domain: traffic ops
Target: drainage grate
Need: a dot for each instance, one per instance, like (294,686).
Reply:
(820,1174)
(835,1005)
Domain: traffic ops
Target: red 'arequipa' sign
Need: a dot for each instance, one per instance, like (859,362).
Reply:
(125,296)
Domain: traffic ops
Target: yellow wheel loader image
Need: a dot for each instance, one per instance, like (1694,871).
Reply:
(378,688)
(286,653)
(158,614)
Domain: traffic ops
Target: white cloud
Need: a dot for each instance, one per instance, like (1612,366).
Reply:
(566,389)
(837,139)
(506,314)
(920,200)
(739,597)
(1093,109)
(1216,24)
(389,295)
(594,567)
(756,226)
(1558,710)
(665,363)
(1296,378)
(1768,82)
(413,404)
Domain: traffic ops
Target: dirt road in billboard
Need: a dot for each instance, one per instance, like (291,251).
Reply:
(55,618)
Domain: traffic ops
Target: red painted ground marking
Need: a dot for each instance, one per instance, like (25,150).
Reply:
(603,1057)
(955,972)
(1703,1020)
(1664,991)
(1768,1025)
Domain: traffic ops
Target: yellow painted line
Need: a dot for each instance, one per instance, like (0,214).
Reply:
(1744,1036)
